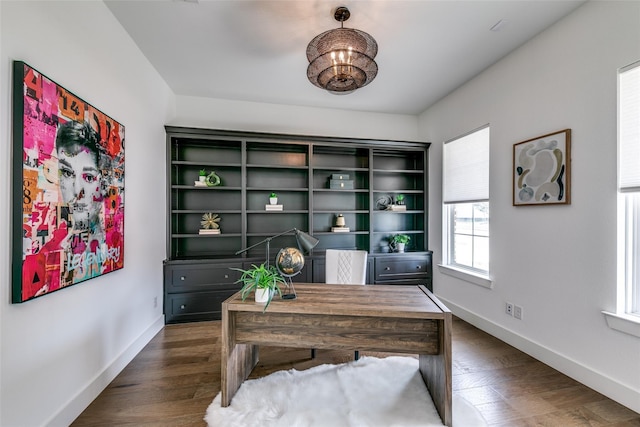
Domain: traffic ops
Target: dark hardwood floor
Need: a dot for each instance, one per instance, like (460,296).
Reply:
(177,375)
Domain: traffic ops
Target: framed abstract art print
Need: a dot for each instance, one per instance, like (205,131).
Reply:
(542,170)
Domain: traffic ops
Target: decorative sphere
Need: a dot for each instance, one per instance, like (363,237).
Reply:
(289,261)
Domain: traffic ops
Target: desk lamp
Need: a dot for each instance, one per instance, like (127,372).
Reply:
(305,242)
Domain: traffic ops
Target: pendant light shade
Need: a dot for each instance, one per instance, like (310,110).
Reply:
(341,60)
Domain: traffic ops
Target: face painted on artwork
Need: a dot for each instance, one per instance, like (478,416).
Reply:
(80,182)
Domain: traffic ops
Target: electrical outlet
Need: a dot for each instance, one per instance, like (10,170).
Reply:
(155,302)
(509,309)
(517,312)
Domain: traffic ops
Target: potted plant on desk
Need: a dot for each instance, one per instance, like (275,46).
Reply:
(263,280)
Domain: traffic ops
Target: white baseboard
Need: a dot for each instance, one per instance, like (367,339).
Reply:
(78,403)
(601,383)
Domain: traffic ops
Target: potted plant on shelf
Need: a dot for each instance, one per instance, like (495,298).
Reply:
(202,175)
(273,199)
(399,241)
(263,280)
(400,199)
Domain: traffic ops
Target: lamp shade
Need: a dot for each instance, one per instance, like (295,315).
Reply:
(306,242)
(341,60)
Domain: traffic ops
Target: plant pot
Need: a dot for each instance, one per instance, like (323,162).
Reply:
(273,200)
(262,295)
(202,178)
(400,247)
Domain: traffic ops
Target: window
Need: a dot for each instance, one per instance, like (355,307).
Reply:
(626,316)
(466,203)
(629,186)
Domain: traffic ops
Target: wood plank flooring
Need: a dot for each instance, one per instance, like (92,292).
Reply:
(176,376)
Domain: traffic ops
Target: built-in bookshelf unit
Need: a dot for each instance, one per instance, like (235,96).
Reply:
(316,179)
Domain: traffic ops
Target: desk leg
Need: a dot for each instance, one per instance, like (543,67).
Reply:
(436,372)
(238,360)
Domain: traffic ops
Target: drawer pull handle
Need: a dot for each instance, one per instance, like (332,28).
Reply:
(182,278)
(418,267)
(387,268)
(182,307)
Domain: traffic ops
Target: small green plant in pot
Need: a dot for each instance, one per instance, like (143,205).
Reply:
(262,280)
(273,198)
(399,241)
(202,175)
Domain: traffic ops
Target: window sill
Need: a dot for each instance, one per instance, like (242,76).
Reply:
(623,322)
(467,276)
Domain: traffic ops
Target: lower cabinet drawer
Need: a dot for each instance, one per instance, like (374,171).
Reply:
(401,268)
(195,305)
(194,277)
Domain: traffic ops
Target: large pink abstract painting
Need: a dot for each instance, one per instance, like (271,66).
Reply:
(68,188)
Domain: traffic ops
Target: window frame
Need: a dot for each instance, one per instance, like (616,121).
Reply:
(626,317)
(449,266)
(450,212)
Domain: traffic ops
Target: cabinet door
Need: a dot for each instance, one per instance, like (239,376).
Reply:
(195,306)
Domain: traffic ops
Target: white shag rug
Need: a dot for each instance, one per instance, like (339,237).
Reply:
(370,392)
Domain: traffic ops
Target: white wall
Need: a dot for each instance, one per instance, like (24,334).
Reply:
(60,350)
(557,262)
(257,117)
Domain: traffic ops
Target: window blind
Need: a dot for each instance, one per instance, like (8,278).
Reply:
(466,168)
(629,128)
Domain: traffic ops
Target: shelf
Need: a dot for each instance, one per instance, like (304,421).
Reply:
(200,236)
(254,166)
(398,191)
(398,212)
(215,188)
(399,171)
(341,233)
(399,232)
(203,211)
(277,190)
(284,211)
(342,211)
(333,169)
(335,190)
(205,164)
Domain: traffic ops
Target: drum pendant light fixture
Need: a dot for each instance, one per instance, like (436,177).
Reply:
(341,60)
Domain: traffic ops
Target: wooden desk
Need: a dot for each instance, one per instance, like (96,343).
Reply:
(399,319)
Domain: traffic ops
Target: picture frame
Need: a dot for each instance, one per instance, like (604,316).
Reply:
(68,188)
(542,170)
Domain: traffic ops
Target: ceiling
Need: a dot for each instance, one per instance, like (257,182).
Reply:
(256,50)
